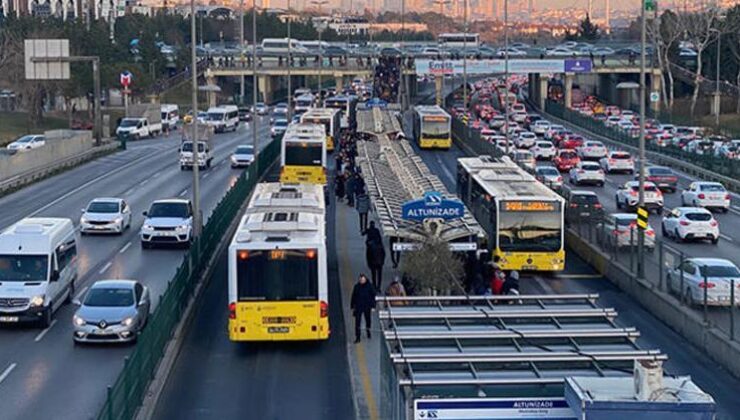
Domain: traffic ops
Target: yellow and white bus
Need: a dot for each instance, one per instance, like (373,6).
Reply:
(522,217)
(432,127)
(329,118)
(303,154)
(278,279)
(346,104)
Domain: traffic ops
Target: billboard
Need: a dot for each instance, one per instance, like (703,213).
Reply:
(497,66)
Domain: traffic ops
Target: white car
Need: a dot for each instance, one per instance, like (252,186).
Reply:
(687,223)
(242,156)
(540,127)
(554,128)
(592,150)
(625,125)
(612,120)
(587,173)
(31,141)
(519,116)
(706,194)
(550,176)
(497,121)
(523,158)
(618,161)
(526,140)
(560,52)
(704,275)
(168,222)
(105,215)
(278,127)
(543,149)
(622,231)
(627,196)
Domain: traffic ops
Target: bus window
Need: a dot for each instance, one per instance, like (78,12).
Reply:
(529,231)
(305,154)
(435,129)
(277,275)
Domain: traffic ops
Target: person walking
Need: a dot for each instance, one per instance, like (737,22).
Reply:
(372,233)
(362,204)
(396,289)
(362,304)
(350,189)
(375,255)
(339,187)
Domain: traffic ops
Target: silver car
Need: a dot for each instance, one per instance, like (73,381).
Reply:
(692,277)
(105,215)
(113,311)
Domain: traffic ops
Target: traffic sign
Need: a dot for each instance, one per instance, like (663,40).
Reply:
(654,96)
(126,78)
(642,218)
(432,206)
(650,5)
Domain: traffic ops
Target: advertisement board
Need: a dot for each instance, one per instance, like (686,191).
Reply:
(497,66)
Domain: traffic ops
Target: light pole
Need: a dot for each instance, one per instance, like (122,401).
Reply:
(717,101)
(401,78)
(641,197)
(465,55)
(194,73)
(255,86)
(290,90)
(506,73)
(241,49)
(320,29)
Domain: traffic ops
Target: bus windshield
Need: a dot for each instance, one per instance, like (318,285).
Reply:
(529,231)
(303,154)
(435,129)
(277,275)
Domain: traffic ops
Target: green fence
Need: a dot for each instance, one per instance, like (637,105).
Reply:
(127,393)
(471,139)
(718,165)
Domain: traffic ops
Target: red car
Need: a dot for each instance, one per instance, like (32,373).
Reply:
(566,159)
(571,142)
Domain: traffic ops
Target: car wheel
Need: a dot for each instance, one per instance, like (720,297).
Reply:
(145,245)
(663,231)
(683,201)
(71,293)
(689,297)
(601,184)
(669,282)
(616,199)
(676,236)
(724,209)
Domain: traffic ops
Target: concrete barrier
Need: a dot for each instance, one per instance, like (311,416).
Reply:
(663,306)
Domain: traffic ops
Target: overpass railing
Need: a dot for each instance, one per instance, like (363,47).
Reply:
(128,391)
(708,167)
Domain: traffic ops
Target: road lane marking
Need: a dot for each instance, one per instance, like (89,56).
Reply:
(735,210)
(82,292)
(41,335)
(182,194)
(144,182)
(444,168)
(125,247)
(7,371)
(206,175)
(105,267)
(578,276)
(725,237)
(157,174)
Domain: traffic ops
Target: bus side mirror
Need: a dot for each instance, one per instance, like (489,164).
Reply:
(54,276)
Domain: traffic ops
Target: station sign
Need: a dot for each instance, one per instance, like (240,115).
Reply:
(432,206)
(578,66)
(376,103)
(454,246)
(493,408)
(497,66)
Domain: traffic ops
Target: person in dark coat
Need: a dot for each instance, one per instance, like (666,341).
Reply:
(350,189)
(375,255)
(339,187)
(362,204)
(362,304)
(372,233)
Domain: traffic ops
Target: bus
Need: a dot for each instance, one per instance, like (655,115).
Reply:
(522,217)
(278,280)
(329,118)
(346,104)
(459,40)
(432,127)
(303,154)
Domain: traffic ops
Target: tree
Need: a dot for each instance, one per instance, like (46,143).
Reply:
(587,30)
(433,267)
(665,35)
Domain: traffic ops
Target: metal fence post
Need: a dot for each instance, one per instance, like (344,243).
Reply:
(109,397)
(632,249)
(126,387)
(706,293)
(680,287)
(732,309)
(660,265)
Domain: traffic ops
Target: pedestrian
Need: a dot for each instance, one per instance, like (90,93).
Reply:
(396,289)
(375,256)
(511,285)
(350,189)
(362,304)
(339,187)
(372,233)
(362,204)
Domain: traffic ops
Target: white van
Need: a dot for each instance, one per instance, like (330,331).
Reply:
(223,118)
(303,103)
(280,46)
(38,268)
(170,116)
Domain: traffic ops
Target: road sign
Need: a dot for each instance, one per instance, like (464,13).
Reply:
(642,218)
(53,52)
(432,206)
(493,408)
(654,96)
(126,78)
(578,66)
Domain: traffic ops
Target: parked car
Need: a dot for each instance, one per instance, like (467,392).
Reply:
(587,173)
(693,277)
(711,195)
(618,161)
(627,196)
(112,311)
(29,142)
(621,231)
(105,215)
(688,223)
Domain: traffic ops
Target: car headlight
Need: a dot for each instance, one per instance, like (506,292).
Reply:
(233,158)
(79,322)
(83,219)
(128,322)
(148,227)
(182,228)
(118,220)
(37,300)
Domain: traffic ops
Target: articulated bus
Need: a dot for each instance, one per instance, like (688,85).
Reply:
(522,217)
(303,154)
(432,127)
(346,104)
(278,281)
(329,118)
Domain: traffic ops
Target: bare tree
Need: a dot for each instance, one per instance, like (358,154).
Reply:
(433,267)
(701,29)
(665,34)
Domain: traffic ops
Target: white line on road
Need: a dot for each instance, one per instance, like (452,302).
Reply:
(735,210)
(185,191)
(157,174)
(7,371)
(43,333)
(129,191)
(105,267)
(82,292)
(125,247)
(206,175)
(444,168)
(144,182)
(725,237)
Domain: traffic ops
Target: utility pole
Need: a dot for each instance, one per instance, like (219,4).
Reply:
(641,199)
(241,50)
(506,73)
(401,79)
(194,92)
(717,98)
(290,64)
(465,55)
(320,28)
(255,86)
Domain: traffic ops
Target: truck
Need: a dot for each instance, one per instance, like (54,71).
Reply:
(142,121)
(205,148)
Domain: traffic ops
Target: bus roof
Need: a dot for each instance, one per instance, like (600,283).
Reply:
(305,130)
(275,195)
(431,110)
(320,113)
(341,97)
(503,179)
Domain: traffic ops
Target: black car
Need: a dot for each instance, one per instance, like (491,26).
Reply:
(583,206)
(662,176)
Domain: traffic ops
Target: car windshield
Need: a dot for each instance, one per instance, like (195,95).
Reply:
(244,150)
(281,123)
(660,171)
(24,139)
(23,268)
(129,123)
(103,207)
(584,199)
(179,210)
(548,171)
(712,188)
(567,155)
(699,217)
(188,147)
(216,116)
(545,145)
(109,297)
(277,275)
(590,167)
(621,156)
(719,271)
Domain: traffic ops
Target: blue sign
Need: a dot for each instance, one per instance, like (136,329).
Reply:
(432,206)
(376,103)
(578,66)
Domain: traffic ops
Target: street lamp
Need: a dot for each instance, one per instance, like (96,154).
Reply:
(506,73)
(241,49)
(255,142)
(644,4)
(717,101)
(465,55)
(320,29)
(290,90)
(194,93)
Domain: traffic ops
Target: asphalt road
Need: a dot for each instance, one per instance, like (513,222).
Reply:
(217,379)
(684,358)
(42,373)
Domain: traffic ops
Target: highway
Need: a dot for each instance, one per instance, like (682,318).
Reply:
(42,373)
(684,359)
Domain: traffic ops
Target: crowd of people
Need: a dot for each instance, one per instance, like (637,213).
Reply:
(387,78)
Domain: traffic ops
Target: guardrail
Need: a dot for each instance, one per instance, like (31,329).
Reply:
(128,391)
(712,168)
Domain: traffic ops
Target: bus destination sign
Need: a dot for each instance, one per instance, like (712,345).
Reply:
(530,206)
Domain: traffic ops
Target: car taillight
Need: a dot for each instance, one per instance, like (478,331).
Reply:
(611,161)
(232,310)
(633,193)
(727,196)
(683,223)
(560,179)
(650,232)
(324,309)
(573,205)
(616,232)
(580,171)
(714,223)
(702,196)
(706,284)
(597,206)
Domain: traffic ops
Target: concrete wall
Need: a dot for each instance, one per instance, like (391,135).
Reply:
(60,145)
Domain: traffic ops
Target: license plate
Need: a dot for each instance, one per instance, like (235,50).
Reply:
(585,214)
(278,320)
(8,319)
(278,330)
(529,267)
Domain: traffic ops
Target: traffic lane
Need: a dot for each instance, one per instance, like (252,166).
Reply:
(258,376)
(153,269)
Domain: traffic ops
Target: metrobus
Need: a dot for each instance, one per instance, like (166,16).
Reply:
(303,154)
(278,280)
(459,40)
(346,104)
(522,217)
(329,118)
(432,127)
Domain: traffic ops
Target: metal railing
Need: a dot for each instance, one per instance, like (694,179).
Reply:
(127,392)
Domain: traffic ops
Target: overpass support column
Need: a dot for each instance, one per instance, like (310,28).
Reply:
(211,81)
(438,80)
(264,84)
(569,89)
(542,90)
(656,85)
(339,83)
